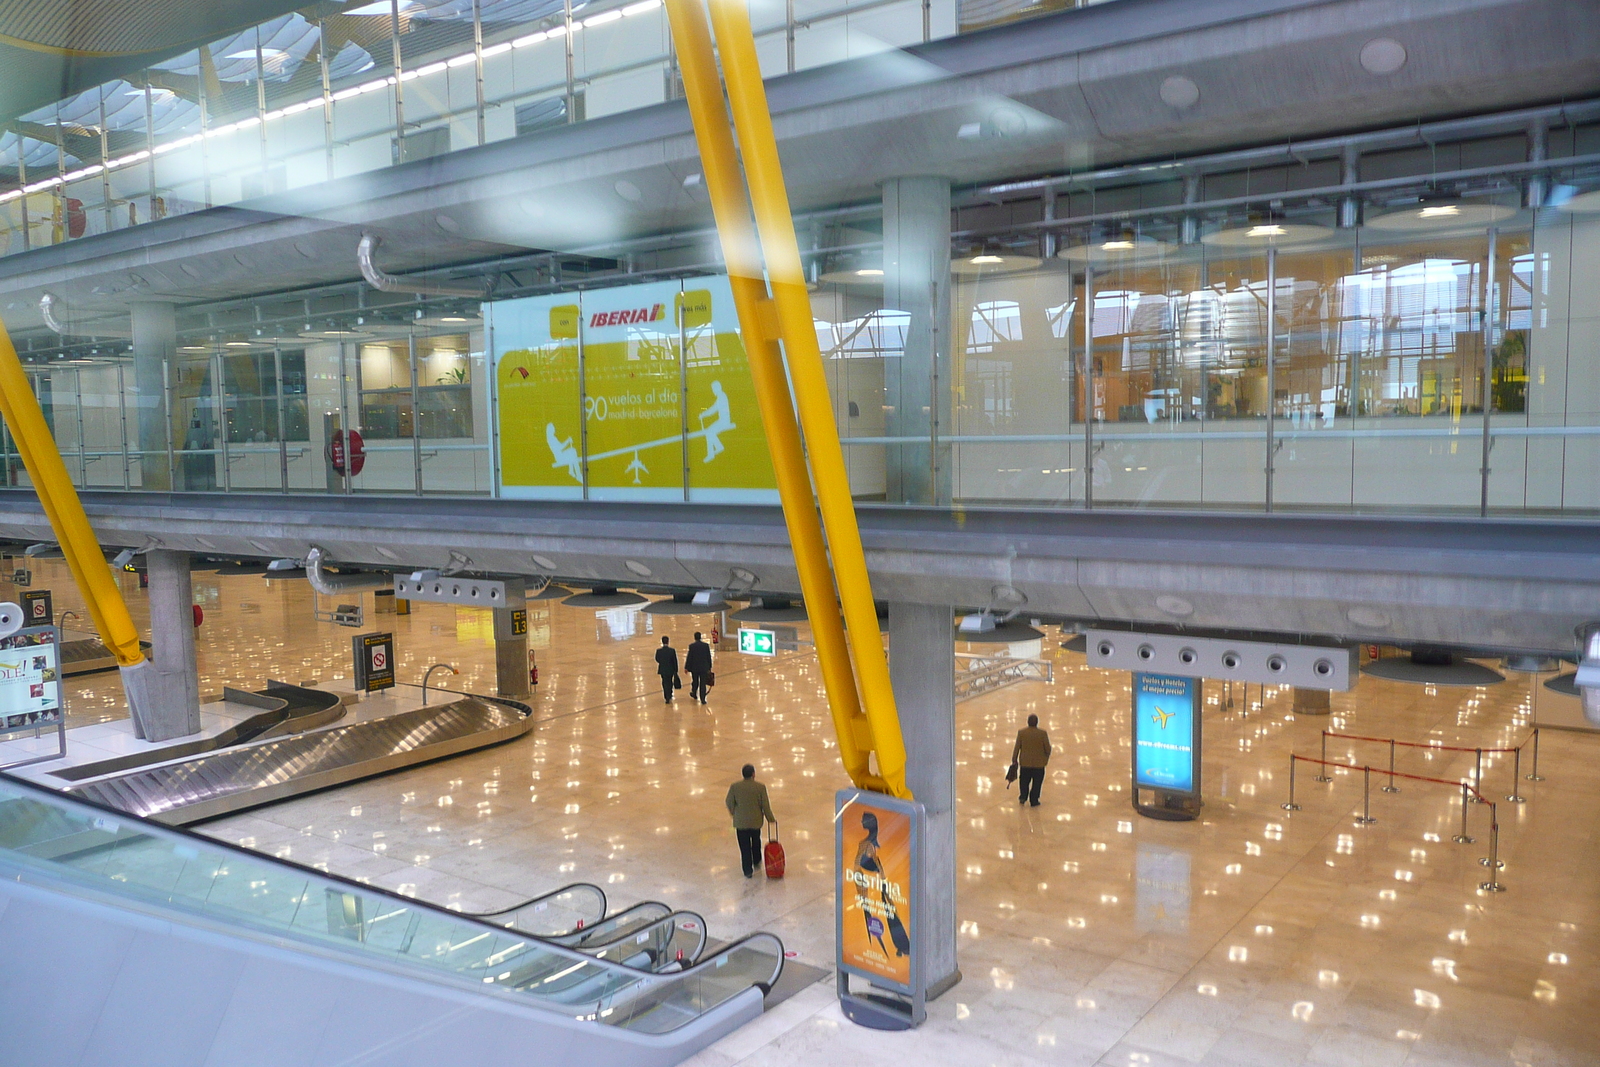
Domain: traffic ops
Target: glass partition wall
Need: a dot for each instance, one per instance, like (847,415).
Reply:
(1429,348)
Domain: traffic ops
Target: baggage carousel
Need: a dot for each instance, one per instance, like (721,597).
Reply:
(297,744)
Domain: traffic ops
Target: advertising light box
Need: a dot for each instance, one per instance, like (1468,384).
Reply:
(634,392)
(1166,733)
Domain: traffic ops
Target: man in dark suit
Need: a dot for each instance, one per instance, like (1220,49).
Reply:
(667,667)
(697,661)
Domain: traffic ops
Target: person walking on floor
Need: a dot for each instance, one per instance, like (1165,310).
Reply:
(667,667)
(1031,753)
(697,661)
(748,804)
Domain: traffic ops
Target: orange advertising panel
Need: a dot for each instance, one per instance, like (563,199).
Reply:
(875,912)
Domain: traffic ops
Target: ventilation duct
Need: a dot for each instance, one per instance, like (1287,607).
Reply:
(389,283)
(335,584)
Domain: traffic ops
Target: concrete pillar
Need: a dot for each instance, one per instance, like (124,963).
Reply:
(155,345)
(917,387)
(511,645)
(172,706)
(922,664)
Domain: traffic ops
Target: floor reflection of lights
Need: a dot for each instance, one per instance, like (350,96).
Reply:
(1087,934)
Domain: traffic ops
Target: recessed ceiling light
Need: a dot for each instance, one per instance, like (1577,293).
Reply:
(193,348)
(1122,244)
(869,272)
(1439,212)
(987,259)
(452,318)
(1270,229)
(237,344)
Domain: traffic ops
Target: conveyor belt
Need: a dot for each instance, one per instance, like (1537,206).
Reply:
(248,775)
(286,709)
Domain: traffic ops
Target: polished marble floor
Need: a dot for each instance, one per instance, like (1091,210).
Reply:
(1088,935)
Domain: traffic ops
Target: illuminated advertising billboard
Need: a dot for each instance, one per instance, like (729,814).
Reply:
(1166,733)
(875,837)
(635,392)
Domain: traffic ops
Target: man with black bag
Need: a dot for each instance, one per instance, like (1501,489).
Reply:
(1028,759)
(667,667)
(697,661)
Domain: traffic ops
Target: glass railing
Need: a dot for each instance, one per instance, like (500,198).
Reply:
(1415,363)
(562,911)
(65,843)
(337,90)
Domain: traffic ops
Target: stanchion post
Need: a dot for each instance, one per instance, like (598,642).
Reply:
(1535,776)
(1291,806)
(1463,838)
(1322,774)
(1493,860)
(1366,797)
(1516,776)
(1391,787)
(1477,779)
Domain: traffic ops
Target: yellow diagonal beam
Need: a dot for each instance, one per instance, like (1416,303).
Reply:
(20,408)
(702,87)
(747,99)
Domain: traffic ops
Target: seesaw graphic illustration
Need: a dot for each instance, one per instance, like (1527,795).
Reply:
(565,453)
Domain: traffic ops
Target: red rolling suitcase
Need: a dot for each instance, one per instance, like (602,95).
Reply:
(773,854)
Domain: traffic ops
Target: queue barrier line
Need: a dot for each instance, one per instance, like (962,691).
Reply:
(1366,818)
(1477,774)
(1425,744)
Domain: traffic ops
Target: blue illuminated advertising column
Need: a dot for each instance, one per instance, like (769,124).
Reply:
(1166,746)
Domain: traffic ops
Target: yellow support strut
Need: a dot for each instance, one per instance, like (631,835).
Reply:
(747,99)
(79,544)
(730,205)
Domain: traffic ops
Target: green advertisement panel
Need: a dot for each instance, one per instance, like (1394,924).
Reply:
(661,377)
(633,392)
(535,345)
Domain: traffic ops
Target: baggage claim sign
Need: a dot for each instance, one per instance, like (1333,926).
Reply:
(640,392)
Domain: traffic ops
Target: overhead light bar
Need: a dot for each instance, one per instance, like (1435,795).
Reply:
(554,33)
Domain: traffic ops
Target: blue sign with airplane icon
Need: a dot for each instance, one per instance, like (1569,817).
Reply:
(1166,710)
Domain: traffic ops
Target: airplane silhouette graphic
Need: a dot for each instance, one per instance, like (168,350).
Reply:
(1160,717)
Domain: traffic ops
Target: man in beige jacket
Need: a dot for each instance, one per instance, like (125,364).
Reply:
(1031,753)
(748,804)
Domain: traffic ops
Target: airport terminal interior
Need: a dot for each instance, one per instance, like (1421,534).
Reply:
(449,447)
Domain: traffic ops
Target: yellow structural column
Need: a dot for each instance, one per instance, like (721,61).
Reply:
(63,508)
(747,98)
(740,248)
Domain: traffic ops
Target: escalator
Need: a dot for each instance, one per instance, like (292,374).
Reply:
(90,896)
(650,935)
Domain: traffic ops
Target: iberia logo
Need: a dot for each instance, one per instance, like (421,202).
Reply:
(628,316)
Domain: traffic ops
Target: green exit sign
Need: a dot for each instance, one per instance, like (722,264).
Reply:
(758,642)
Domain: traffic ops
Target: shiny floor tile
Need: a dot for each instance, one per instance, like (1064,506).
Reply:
(1088,934)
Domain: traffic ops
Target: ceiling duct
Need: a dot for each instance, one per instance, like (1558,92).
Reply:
(704,602)
(1004,633)
(1433,667)
(335,584)
(604,596)
(1331,667)
(771,609)
(389,283)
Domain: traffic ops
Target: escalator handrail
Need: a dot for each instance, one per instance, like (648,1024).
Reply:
(576,937)
(671,918)
(491,915)
(160,829)
(647,980)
